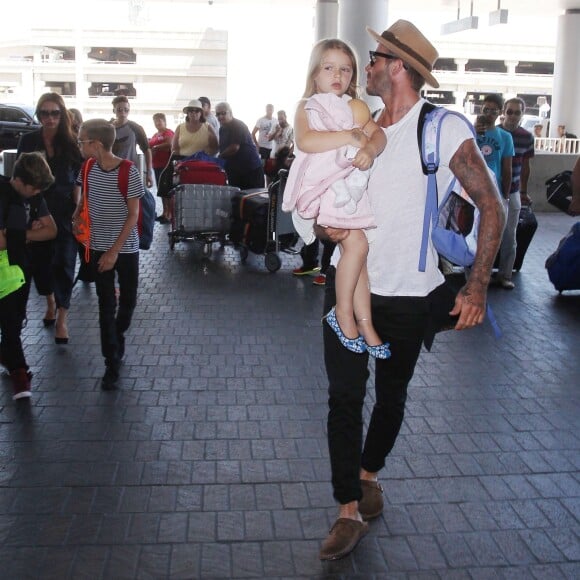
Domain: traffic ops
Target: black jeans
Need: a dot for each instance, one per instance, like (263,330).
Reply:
(63,268)
(40,255)
(12,316)
(265,153)
(114,320)
(309,255)
(401,321)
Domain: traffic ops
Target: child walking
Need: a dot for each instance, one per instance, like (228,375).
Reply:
(337,142)
(114,241)
(24,218)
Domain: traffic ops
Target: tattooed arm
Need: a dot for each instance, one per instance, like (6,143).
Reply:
(469,167)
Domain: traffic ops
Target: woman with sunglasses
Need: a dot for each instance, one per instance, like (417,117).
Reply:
(194,134)
(54,262)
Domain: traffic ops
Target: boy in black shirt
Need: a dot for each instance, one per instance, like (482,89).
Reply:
(24,218)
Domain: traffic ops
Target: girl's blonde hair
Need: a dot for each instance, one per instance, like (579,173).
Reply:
(316,59)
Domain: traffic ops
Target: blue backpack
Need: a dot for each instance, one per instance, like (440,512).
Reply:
(453,221)
(146,219)
(146,223)
(564,264)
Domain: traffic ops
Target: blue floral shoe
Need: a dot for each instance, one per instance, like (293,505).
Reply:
(379,351)
(353,344)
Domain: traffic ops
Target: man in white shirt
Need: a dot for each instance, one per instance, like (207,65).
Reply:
(406,303)
(263,128)
(283,134)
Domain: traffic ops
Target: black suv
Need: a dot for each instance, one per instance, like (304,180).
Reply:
(14,121)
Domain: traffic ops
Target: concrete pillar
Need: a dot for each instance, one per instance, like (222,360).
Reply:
(566,88)
(38,83)
(353,18)
(82,86)
(461,64)
(511,66)
(459,97)
(326,19)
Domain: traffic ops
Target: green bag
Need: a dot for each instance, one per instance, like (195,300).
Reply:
(11,277)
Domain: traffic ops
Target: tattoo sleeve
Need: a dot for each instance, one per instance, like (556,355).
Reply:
(469,167)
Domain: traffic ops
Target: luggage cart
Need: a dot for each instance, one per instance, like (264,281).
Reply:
(201,214)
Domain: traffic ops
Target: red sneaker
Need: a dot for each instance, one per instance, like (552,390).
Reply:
(305,271)
(320,280)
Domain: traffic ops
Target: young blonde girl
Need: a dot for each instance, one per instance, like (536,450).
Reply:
(337,142)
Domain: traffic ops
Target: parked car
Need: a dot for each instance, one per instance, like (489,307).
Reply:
(15,120)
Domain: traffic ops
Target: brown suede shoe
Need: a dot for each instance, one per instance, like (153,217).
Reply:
(371,505)
(342,539)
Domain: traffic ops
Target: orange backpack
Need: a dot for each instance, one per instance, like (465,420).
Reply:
(83,223)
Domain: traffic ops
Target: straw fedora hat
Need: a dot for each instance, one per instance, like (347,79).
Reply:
(193,104)
(406,41)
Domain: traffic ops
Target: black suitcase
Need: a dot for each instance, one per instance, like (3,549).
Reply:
(259,224)
(527,226)
(559,190)
(249,224)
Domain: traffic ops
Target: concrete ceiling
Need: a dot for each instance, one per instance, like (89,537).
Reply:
(529,21)
(525,7)
(448,9)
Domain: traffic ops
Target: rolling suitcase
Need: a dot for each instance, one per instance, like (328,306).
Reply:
(250,219)
(564,264)
(527,226)
(200,172)
(559,190)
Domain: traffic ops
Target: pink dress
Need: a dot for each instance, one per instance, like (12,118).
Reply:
(308,190)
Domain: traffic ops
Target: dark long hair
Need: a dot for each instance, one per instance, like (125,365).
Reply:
(65,142)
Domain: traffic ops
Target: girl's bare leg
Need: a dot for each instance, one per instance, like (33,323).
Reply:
(353,254)
(362,309)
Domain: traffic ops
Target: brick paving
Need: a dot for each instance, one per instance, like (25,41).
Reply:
(211,459)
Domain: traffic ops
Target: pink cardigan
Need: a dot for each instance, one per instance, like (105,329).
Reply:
(311,174)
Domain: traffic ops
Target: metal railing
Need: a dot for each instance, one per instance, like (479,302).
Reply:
(557,145)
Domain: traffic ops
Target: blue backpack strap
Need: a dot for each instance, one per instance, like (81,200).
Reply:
(428,133)
(430,211)
(494,325)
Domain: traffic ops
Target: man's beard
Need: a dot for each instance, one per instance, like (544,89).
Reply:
(377,89)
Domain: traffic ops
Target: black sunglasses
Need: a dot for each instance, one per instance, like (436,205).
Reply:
(373,56)
(514,113)
(45,114)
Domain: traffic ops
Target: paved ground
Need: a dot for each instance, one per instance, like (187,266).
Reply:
(211,460)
